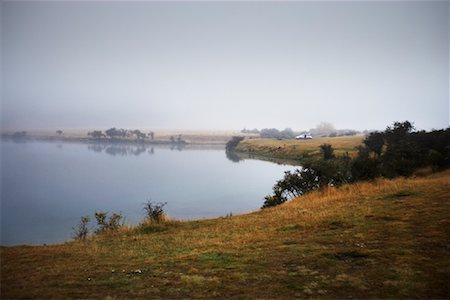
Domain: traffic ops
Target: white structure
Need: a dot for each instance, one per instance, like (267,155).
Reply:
(304,136)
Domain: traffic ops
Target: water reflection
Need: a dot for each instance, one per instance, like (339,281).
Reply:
(239,156)
(129,149)
(233,156)
(46,188)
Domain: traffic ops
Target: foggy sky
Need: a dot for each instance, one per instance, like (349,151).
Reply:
(215,65)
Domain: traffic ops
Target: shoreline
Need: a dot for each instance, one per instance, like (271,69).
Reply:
(327,244)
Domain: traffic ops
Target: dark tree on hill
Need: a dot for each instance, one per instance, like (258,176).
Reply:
(327,151)
(402,154)
(398,131)
(375,142)
(59,132)
(151,134)
(364,167)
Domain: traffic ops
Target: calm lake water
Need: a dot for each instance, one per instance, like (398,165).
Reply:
(47,186)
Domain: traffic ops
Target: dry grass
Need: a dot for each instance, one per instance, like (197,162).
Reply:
(385,239)
(299,149)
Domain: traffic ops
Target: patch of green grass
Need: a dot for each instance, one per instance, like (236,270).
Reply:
(291,227)
(217,259)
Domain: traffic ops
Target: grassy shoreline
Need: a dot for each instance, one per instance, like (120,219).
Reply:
(381,239)
(298,149)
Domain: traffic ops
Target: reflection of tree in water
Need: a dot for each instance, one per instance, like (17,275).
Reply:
(96,147)
(127,149)
(233,156)
(176,146)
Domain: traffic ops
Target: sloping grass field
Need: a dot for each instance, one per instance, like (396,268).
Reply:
(382,239)
(299,149)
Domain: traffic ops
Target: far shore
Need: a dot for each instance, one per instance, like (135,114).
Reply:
(162,137)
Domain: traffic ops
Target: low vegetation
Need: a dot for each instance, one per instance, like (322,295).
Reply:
(398,151)
(380,239)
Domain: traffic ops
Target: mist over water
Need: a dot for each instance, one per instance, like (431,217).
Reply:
(48,186)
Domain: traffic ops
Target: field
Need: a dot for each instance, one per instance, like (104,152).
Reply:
(299,149)
(382,239)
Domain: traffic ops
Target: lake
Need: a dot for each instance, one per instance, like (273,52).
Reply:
(47,186)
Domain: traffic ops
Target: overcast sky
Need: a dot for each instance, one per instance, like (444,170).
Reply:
(216,65)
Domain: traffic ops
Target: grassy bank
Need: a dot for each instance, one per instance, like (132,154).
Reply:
(298,149)
(366,240)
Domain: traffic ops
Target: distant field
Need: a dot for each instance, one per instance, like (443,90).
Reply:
(384,239)
(299,149)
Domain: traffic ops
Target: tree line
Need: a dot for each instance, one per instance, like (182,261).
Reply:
(114,133)
(324,129)
(397,151)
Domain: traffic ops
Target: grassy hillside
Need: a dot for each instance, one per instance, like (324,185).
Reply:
(367,240)
(298,149)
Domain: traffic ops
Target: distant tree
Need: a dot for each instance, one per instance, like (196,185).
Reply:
(270,133)
(254,130)
(232,144)
(287,133)
(59,132)
(139,134)
(327,151)
(151,135)
(96,134)
(112,132)
(172,139)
